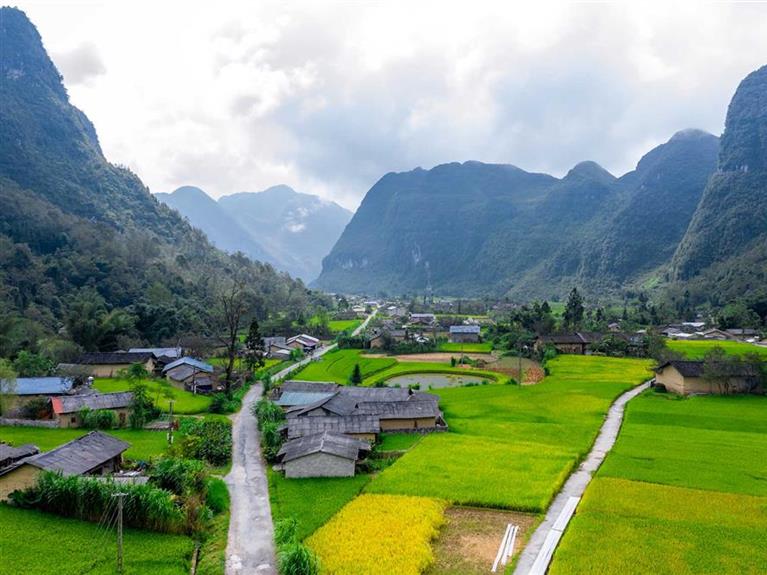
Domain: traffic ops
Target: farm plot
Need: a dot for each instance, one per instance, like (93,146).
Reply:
(36,543)
(509,446)
(683,491)
(696,349)
(161,392)
(484,347)
(144,444)
(338,366)
(339,325)
(379,534)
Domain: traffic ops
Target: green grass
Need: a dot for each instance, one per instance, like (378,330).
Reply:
(696,349)
(35,543)
(512,446)
(484,347)
(311,501)
(339,325)
(632,527)
(414,367)
(684,491)
(144,444)
(212,559)
(398,441)
(184,402)
(338,366)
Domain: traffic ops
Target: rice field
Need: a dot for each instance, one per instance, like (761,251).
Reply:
(379,534)
(683,492)
(510,446)
(696,349)
(35,543)
(339,325)
(485,347)
(161,392)
(338,366)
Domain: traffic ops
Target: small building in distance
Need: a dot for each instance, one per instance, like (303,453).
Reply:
(190,374)
(423,318)
(465,333)
(324,454)
(109,364)
(26,389)
(95,453)
(66,409)
(306,343)
(686,377)
(10,455)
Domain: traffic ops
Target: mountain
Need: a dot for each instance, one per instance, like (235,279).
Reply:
(474,228)
(83,244)
(205,214)
(293,231)
(724,251)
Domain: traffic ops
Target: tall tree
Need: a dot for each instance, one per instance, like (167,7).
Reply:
(254,347)
(7,384)
(574,310)
(356,378)
(230,315)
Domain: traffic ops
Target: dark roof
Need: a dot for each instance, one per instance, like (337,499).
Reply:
(399,409)
(326,442)
(465,329)
(184,372)
(115,358)
(190,361)
(80,455)
(174,352)
(301,426)
(73,403)
(376,393)
(9,453)
(42,385)
(742,331)
(311,386)
(562,339)
(692,368)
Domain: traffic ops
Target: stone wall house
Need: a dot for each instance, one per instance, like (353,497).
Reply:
(323,454)
(687,378)
(67,409)
(464,333)
(110,364)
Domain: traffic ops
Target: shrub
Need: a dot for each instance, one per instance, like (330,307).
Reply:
(35,408)
(143,409)
(206,439)
(271,440)
(285,531)
(267,411)
(218,495)
(97,419)
(180,476)
(297,559)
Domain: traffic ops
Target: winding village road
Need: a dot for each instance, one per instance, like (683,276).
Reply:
(537,554)
(250,547)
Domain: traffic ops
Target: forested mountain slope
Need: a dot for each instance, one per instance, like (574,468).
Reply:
(83,241)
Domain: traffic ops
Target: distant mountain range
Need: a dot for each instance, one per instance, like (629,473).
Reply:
(290,230)
(694,211)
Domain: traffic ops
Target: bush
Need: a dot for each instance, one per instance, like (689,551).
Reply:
(218,495)
(267,411)
(180,476)
(221,403)
(97,419)
(297,559)
(206,439)
(271,440)
(143,409)
(285,531)
(35,408)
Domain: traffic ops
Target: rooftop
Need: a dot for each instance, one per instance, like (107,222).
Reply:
(190,361)
(74,403)
(464,329)
(326,442)
(42,385)
(115,358)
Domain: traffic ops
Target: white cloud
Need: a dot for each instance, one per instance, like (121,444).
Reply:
(329,96)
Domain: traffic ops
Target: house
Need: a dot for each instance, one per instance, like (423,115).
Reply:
(26,389)
(278,340)
(294,393)
(687,378)
(109,364)
(324,454)
(362,411)
(573,343)
(464,333)
(304,342)
(10,455)
(379,338)
(95,453)
(745,334)
(190,374)
(170,352)
(277,348)
(423,318)
(66,409)
(717,334)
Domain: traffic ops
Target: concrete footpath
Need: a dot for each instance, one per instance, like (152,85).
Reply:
(537,554)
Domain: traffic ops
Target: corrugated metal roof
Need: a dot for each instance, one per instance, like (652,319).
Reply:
(313,386)
(196,363)
(399,409)
(158,351)
(350,424)
(10,453)
(465,329)
(73,403)
(80,455)
(43,385)
(293,398)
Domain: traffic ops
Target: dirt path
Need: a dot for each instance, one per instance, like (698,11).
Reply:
(250,548)
(536,556)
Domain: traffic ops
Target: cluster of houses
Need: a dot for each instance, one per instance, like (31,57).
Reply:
(283,348)
(330,428)
(421,328)
(93,454)
(697,330)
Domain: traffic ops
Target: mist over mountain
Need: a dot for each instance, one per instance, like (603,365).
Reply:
(290,230)
(477,228)
(81,237)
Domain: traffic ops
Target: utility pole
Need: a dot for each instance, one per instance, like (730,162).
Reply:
(170,424)
(120,497)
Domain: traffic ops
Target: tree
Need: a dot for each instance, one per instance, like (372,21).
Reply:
(232,307)
(28,364)
(356,378)
(143,409)
(720,368)
(254,347)
(7,385)
(574,310)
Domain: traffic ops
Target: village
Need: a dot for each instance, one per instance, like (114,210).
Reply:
(390,395)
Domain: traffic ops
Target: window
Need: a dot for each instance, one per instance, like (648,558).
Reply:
(73,419)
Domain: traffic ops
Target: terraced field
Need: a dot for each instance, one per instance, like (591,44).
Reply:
(696,349)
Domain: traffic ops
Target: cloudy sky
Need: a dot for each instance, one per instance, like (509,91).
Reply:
(329,96)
